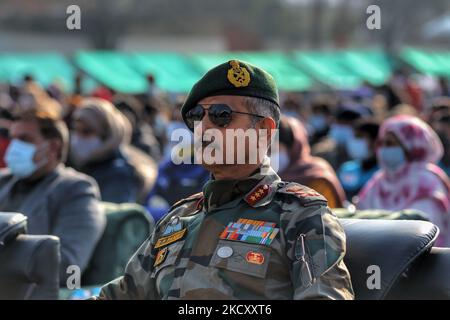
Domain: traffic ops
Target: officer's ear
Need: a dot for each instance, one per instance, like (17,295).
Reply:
(268,124)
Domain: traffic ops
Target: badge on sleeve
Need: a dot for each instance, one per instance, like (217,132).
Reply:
(164,241)
(161,256)
(173,226)
(173,232)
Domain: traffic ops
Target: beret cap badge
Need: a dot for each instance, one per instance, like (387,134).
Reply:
(237,75)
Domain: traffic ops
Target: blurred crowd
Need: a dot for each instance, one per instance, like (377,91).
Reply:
(376,147)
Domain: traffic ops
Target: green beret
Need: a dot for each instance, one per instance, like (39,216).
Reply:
(234,78)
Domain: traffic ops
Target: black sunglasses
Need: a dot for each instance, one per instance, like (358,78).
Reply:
(219,114)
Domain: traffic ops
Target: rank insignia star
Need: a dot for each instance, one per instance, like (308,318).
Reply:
(257,194)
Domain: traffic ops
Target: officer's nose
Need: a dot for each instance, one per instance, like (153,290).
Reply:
(206,123)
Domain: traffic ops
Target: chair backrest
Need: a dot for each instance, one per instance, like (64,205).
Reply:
(29,268)
(428,278)
(127,227)
(389,247)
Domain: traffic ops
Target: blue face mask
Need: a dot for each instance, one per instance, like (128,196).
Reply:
(341,133)
(318,122)
(358,149)
(391,158)
(19,158)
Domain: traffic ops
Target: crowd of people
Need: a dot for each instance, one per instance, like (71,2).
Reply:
(377,147)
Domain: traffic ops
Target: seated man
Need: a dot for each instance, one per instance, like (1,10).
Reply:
(57,200)
(248,235)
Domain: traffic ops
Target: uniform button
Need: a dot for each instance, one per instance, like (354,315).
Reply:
(225,252)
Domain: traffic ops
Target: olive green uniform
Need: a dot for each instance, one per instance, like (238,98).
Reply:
(290,247)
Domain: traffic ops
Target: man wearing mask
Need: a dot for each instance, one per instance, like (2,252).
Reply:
(361,147)
(100,147)
(333,149)
(57,200)
(320,119)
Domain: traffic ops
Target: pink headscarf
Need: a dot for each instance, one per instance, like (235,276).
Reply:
(418,179)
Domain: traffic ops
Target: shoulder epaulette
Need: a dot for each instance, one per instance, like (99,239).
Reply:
(195,197)
(307,196)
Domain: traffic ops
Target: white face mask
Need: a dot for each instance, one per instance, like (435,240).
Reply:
(19,158)
(358,148)
(82,148)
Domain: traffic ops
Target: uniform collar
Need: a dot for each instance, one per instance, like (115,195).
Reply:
(257,189)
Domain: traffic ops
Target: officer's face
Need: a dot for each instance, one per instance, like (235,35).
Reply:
(240,146)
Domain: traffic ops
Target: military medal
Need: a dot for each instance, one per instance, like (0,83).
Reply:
(251,231)
(254,257)
(225,252)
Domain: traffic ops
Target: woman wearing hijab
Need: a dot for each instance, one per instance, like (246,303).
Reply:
(99,134)
(296,163)
(407,152)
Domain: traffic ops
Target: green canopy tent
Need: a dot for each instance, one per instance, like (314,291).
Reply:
(373,66)
(112,69)
(435,63)
(46,68)
(172,71)
(286,74)
(328,68)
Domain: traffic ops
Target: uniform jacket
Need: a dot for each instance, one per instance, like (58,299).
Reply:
(298,253)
